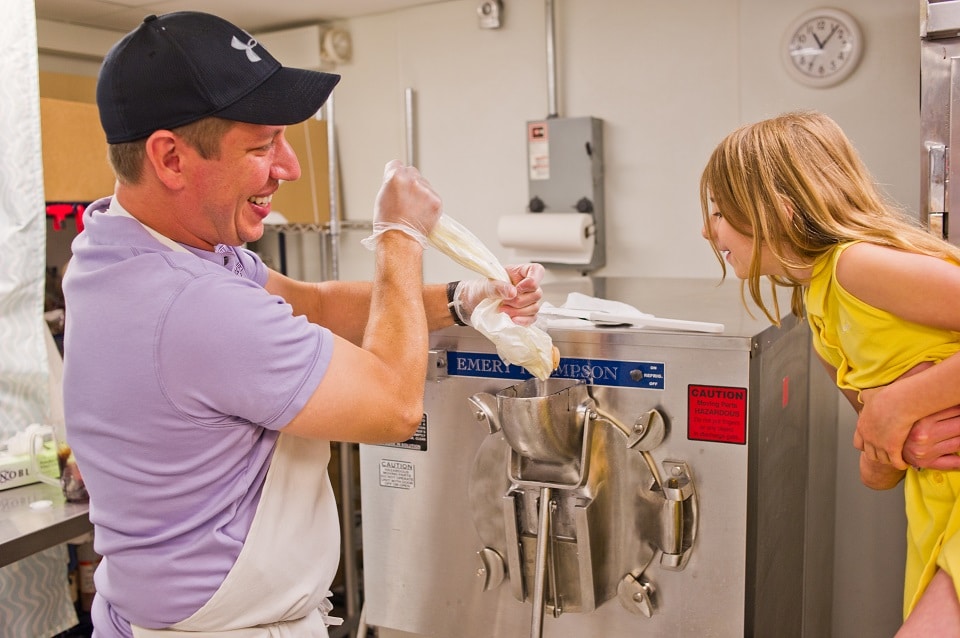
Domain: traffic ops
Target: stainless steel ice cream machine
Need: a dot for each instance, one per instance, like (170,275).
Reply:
(660,483)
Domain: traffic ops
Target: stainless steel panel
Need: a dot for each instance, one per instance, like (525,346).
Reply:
(754,568)
(940,148)
(940,19)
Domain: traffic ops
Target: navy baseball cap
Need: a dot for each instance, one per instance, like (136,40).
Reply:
(180,67)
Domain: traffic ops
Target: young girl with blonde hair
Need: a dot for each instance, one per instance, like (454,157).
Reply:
(789,199)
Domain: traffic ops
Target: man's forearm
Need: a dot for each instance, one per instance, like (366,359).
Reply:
(879,476)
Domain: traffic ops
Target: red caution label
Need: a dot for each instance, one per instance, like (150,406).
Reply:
(717,413)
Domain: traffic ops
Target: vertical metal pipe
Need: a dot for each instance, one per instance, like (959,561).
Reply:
(334,173)
(552,110)
(410,121)
(540,566)
(348,532)
(347,509)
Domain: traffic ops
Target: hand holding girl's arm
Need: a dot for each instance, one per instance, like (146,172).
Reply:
(931,440)
(934,441)
(920,289)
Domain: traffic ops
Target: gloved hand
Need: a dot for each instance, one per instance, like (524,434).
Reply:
(406,202)
(520,300)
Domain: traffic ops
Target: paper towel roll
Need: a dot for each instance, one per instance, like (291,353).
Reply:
(566,238)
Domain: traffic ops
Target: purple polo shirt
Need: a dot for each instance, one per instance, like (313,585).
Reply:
(179,369)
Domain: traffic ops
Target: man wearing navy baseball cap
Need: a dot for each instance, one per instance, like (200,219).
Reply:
(181,67)
(201,388)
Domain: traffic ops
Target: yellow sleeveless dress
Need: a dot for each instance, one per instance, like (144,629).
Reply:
(870,347)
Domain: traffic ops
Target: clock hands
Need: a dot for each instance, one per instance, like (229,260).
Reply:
(827,39)
(830,35)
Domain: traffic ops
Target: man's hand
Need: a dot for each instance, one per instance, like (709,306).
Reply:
(934,441)
(406,202)
(520,299)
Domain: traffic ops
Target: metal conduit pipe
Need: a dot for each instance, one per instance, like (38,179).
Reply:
(348,511)
(552,110)
(334,179)
(411,150)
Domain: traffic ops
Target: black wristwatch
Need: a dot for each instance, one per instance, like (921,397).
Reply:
(452,305)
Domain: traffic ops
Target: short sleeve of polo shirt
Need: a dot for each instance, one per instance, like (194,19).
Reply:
(229,352)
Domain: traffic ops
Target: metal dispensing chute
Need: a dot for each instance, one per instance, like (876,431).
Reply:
(583,506)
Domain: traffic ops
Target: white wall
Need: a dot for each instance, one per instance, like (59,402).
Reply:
(669,80)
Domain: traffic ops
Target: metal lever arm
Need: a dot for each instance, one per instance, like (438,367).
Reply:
(681,515)
(680,511)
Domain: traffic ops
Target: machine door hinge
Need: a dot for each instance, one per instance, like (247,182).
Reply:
(437,365)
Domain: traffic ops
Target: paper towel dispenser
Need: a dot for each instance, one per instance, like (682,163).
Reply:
(564,225)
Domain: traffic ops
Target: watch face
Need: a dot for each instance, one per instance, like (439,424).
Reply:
(823,47)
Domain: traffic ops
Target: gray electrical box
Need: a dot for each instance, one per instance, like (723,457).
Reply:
(565,173)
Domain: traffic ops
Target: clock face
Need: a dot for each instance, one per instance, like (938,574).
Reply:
(822,47)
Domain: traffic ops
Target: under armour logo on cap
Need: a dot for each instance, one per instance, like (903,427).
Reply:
(248,47)
(177,68)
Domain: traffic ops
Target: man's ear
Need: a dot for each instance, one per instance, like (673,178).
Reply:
(164,150)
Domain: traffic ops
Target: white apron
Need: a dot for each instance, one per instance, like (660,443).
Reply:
(279,585)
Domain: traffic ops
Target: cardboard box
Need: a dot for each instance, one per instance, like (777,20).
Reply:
(307,200)
(15,470)
(75,165)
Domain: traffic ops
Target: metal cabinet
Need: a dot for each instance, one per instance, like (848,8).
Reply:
(697,502)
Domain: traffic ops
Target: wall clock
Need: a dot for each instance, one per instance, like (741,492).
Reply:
(822,47)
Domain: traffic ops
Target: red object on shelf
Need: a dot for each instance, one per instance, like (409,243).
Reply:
(59,211)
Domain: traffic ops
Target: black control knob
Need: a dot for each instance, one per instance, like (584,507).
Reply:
(584,205)
(537,205)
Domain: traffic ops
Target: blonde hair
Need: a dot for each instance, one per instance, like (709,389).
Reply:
(203,136)
(795,184)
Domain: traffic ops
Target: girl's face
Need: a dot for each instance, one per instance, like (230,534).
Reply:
(737,248)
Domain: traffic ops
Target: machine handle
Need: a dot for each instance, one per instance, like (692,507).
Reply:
(937,190)
(680,512)
(682,515)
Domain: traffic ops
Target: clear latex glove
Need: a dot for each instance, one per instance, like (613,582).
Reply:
(523,345)
(459,244)
(406,202)
(520,301)
(526,346)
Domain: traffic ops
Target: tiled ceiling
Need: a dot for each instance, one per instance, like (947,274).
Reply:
(252,15)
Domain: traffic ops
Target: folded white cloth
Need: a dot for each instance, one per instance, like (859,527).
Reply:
(583,311)
(580,301)
(578,308)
